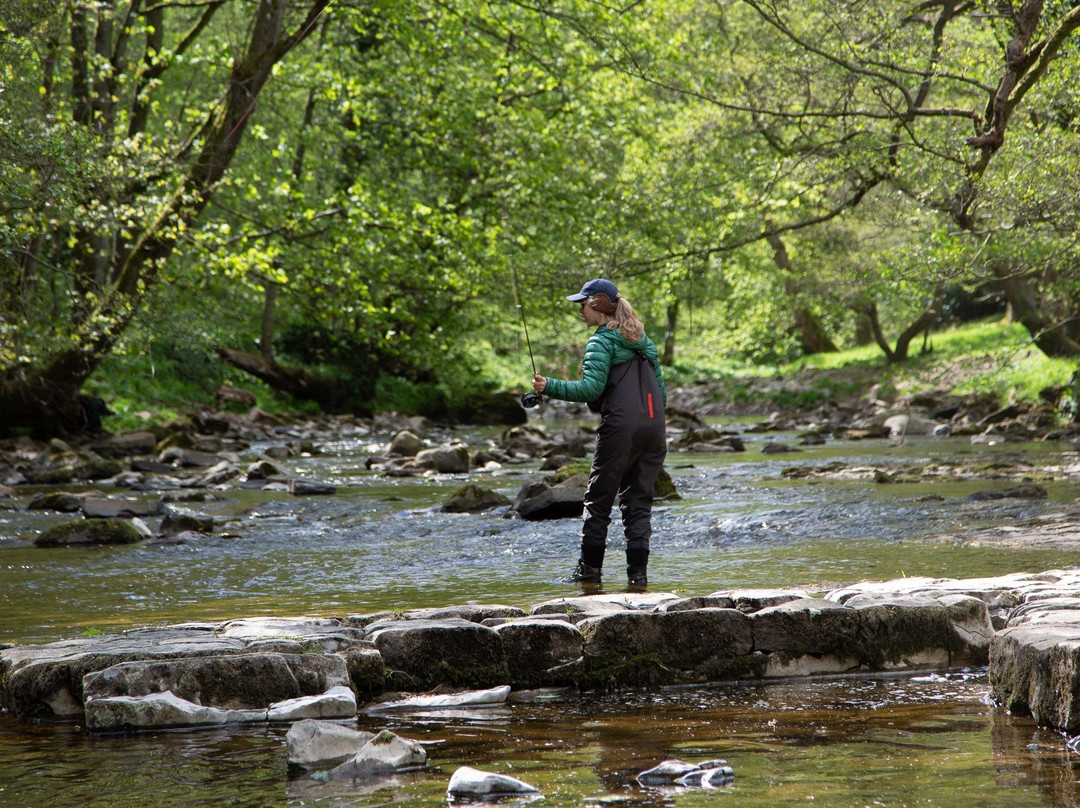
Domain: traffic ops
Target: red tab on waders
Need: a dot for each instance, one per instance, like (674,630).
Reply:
(649,397)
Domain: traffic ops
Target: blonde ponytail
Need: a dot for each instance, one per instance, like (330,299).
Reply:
(626,320)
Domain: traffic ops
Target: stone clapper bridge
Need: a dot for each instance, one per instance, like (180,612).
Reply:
(1026,627)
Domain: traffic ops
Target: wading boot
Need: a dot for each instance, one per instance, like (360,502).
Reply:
(584,574)
(637,561)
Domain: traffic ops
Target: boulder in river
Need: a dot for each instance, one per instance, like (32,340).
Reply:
(472,498)
(1033,672)
(85,532)
(386,753)
(312,743)
(540,500)
(62,501)
(97,507)
(709,774)
(469,783)
(442,460)
(539,651)
(405,444)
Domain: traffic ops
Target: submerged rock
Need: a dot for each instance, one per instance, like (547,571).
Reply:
(1026,491)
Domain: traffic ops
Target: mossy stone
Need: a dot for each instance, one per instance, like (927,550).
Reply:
(89,532)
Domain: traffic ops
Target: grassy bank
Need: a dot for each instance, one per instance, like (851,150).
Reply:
(989,357)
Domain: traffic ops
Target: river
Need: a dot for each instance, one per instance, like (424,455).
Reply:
(381,543)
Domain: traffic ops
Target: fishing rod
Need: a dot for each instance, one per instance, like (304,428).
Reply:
(532,398)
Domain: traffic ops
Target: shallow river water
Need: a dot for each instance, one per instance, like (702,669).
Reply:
(380,543)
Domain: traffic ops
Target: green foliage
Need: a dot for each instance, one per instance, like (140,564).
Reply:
(395,394)
(413,172)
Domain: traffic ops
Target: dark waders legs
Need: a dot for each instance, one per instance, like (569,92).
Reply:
(630,448)
(626,463)
(635,503)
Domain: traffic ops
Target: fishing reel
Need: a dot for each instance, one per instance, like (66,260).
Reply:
(530,400)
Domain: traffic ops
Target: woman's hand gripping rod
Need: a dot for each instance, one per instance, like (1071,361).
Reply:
(532,398)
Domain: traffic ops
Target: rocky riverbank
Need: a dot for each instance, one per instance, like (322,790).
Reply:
(170,469)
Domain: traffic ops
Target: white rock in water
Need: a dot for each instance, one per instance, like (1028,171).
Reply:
(471,698)
(310,742)
(337,702)
(159,710)
(383,754)
(711,777)
(469,782)
(667,772)
(720,776)
(909,425)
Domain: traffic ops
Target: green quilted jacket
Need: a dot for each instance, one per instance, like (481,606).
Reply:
(605,349)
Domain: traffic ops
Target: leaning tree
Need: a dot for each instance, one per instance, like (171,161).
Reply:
(119,119)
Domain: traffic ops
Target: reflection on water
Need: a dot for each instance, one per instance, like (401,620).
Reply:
(382,544)
(927,740)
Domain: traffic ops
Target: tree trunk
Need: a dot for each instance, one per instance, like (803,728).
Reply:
(332,395)
(812,334)
(903,343)
(36,396)
(669,334)
(266,332)
(879,335)
(864,329)
(1051,336)
(922,323)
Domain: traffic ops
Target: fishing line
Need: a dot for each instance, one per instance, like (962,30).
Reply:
(530,399)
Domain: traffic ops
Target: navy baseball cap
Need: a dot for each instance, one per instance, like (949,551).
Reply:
(599,286)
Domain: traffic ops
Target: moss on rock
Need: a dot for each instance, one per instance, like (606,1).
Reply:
(89,532)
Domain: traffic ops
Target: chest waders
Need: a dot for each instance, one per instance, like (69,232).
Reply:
(630,449)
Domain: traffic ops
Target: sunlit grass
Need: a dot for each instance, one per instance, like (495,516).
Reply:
(989,357)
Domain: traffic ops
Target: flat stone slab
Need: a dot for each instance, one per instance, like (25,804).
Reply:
(421,654)
(1025,626)
(46,681)
(235,681)
(337,702)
